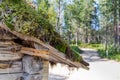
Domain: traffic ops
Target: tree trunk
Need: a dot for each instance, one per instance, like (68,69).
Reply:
(86,35)
(76,38)
(58,25)
(119,24)
(115,23)
(106,39)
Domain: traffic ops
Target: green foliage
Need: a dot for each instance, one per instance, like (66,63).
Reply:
(9,25)
(77,56)
(77,52)
(113,53)
(76,48)
(102,53)
(109,11)
(74,43)
(26,19)
(115,57)
(48,10)
(78,20)
(61,47)
(91,45)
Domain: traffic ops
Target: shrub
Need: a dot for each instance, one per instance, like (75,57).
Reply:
(113,53)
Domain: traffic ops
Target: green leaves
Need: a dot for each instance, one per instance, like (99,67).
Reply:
(9,25)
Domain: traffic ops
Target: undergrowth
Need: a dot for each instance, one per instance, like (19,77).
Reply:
(112,53)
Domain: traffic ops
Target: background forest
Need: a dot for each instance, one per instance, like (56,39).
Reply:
(78,23)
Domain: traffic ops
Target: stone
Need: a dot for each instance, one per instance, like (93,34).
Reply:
(32,65)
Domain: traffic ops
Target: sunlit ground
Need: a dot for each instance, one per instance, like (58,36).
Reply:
(103,70)
(100,69)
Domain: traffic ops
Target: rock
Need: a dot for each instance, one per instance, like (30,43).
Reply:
(32,65)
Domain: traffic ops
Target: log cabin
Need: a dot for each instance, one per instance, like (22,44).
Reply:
(24,57)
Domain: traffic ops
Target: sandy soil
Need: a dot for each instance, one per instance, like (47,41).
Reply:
(100,69)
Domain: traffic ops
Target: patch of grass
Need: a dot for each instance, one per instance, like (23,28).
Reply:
(91,45)
(116,57)
(102,53)
(77,52)
(113,53)
(77,49)
(77,56)
(61,48)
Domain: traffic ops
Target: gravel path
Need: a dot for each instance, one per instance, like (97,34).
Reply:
(100,69)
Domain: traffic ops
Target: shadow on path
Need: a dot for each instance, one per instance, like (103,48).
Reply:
(91,55)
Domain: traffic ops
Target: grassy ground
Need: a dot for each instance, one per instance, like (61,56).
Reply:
(90,45)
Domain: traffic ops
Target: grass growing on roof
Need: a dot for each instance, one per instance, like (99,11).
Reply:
(77,53)
(77,49)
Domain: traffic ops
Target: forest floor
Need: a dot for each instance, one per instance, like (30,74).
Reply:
(100,69)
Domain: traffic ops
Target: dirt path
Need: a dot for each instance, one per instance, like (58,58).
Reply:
(91,55)
(100,69)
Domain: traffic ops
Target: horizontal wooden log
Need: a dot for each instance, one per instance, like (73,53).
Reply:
(7,43)
(64,60)
(13,48)
(16,76)
(39,47)
(11,67)
(52,59)
(43,56)
(35,51)
(6,52)
(4,66)
(81,65)
(6,37)
(9,56)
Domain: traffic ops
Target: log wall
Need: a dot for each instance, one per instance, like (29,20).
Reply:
(16,66)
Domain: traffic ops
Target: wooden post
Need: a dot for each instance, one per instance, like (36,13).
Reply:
(45,70)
